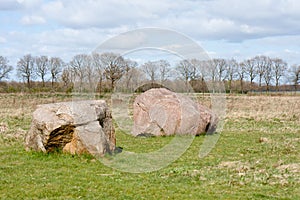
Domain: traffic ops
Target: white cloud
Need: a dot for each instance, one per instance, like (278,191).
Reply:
(2,39)
(232,20)
(30,4)
(32,20)
(245,28)
(9,5)
(228,27)
(83,14)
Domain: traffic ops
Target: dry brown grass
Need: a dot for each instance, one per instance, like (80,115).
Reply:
(24,104)
(259,107)
(284,108)
(282,112)
(280,108)
(16,111)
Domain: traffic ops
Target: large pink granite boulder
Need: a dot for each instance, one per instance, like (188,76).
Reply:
(161,112)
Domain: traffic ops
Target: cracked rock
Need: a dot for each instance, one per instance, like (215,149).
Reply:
(160,112)
(76,127)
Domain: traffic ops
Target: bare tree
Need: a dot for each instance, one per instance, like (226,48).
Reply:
(241,71)
(55,67)
(204,71)
(220,66)
(99,69)
(200,69)
(5,68)
(195,69)
(138,78)
(268,72)
(114,67)
(151,70)
(25,68)
(67,76)
(132,75)
(164,69)
(211,75)
(232,70)
(295,75)
(198,74)
(261,64)
(79,65)
(91,74)
(280,68)
(217,73)
(42,67)
(130,65)
(185,70)
(250,70)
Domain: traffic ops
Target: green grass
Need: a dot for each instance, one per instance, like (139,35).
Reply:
(238,167)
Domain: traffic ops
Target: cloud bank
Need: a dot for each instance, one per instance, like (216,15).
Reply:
(225,28)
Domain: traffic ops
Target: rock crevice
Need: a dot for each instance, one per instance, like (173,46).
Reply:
(59,137)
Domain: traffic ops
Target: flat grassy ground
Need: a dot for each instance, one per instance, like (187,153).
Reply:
(257,157)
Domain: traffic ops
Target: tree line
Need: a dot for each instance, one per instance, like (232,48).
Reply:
(103,72)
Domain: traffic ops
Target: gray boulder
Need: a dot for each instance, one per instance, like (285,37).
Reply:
(161,112)
(76,127)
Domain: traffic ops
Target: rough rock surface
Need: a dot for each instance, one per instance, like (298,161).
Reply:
(76,127)
(162,112)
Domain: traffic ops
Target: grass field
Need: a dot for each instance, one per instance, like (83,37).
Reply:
(257,157)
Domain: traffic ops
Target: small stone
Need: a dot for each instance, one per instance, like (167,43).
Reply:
(3,127)
(264,140)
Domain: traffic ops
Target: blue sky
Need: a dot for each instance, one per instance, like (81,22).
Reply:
(224,28)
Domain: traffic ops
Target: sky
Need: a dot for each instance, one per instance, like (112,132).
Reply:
(223,28)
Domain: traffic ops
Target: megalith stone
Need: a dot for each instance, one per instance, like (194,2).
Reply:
(162,112)
(76,127)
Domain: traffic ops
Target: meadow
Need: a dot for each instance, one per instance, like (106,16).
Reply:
(257,156)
